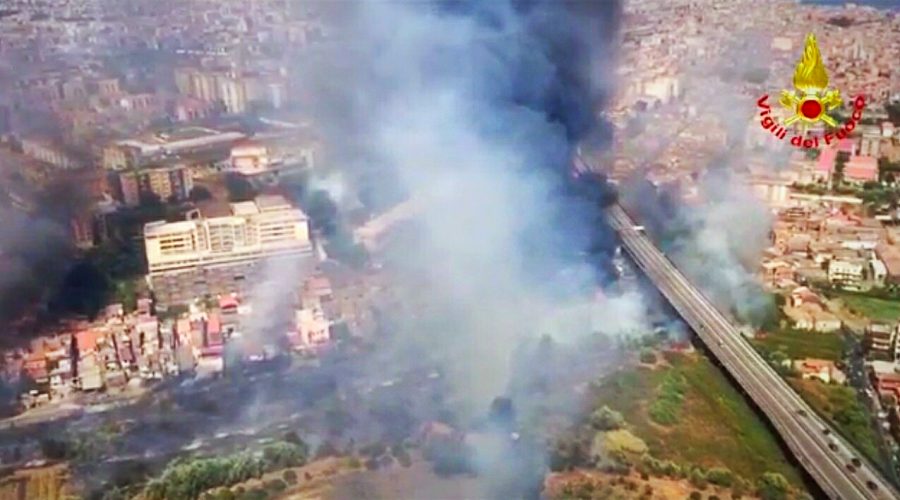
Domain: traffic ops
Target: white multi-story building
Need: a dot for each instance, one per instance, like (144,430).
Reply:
(845,272)
(191,258)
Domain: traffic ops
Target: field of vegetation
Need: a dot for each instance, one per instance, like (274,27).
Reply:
(870,305)
(839,405)
(796,344)
(688,413)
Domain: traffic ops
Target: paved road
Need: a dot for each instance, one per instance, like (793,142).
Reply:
(808,437)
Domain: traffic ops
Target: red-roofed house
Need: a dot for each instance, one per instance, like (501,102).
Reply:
(86,340)
(847,145)
(803,295)
(861,169)
(214,330)
(826,161)
(35,366)
(821,369)
(888,384)
(229,303)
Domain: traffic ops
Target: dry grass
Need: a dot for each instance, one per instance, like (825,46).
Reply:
(716,427)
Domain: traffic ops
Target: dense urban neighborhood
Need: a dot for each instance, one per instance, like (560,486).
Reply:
(295,249)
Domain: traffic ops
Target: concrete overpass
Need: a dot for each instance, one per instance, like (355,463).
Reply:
(840,470)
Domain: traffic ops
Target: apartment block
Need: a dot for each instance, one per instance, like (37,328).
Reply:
(219,255)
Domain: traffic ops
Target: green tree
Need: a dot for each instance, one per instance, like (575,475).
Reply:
(773,486)
(126,294)
(698,478)
(289,476)
(283,454)
(606,419)
(720,476)
(568,451)
(837,178)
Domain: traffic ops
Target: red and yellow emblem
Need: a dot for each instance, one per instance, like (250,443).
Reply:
(811,101)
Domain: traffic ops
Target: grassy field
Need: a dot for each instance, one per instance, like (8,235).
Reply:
(799,344)
(875,308)
(839,405)
(715,427)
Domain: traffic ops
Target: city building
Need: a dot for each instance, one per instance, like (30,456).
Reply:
(846,272)
(166,182)
(881,341)
(313,329)
(216,255)
(250,158)
(160,146)
(50,153)
(819,369)
(861,169)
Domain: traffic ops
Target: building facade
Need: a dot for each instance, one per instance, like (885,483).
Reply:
(189,259)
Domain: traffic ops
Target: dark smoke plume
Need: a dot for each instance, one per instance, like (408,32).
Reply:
(476,109)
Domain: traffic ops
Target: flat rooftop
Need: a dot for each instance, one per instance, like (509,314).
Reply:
(244,208)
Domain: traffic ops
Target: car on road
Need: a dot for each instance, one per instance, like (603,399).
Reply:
(871,485)
(801,412)
(826,431)
(851,468)
(856,462)
(832,446)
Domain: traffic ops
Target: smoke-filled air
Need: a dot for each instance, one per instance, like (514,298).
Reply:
(475,109)
(492,249)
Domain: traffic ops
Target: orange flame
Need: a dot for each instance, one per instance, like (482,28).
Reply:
(810,75)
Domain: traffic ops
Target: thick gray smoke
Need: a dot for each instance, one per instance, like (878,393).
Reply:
(719,239)
(33,258)
(476,107)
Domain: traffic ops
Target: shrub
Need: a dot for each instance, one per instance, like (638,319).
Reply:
(773,486)
(695,495)
(290,476)
(664,409)
(293,438)
(606,419)
(283,454)
(187,479)
(255,494)
(648,356)
(698,479)
(276,485)
(720,476)
(225,494)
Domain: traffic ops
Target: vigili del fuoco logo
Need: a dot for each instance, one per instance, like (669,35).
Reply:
(809,103)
